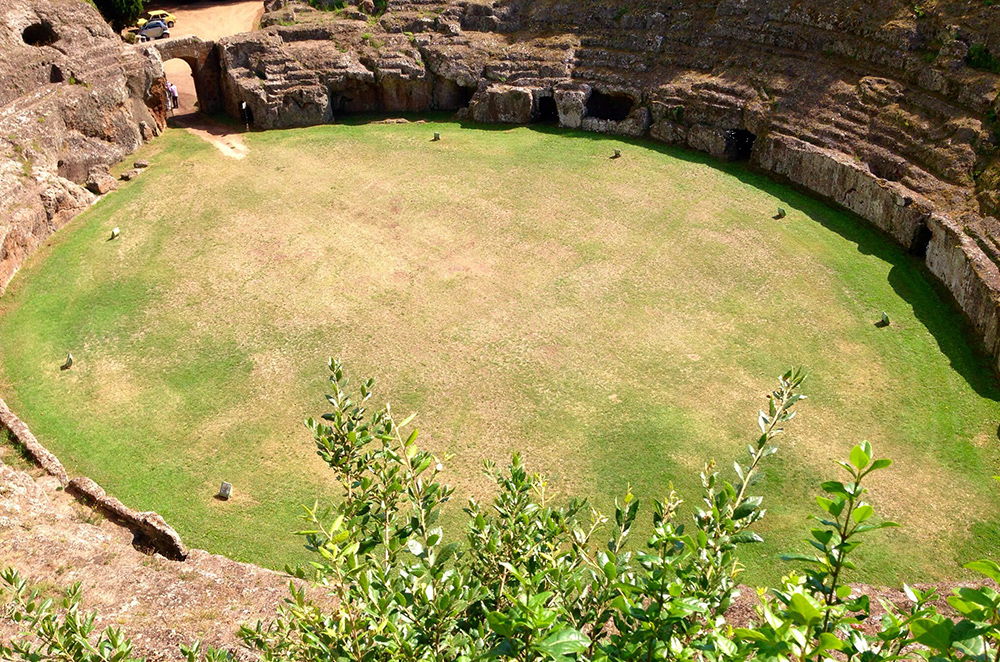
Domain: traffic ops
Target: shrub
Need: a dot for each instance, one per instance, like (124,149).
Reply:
(328,5)
(538,581)
(980,57)
(119,13)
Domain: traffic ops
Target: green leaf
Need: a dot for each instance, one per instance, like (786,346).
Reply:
(499,623)
(725,646)
(447,552)
(859,458)
(563,643)
(748,634)
(961,606)
(835,487)
(801,557)
(800,606)
(744,537)
(415,547)
(968,633)
(822,535)
(933,634)
(872,527)
(825,504)
(985,567)
(829,642)
(862,513)
(748,506)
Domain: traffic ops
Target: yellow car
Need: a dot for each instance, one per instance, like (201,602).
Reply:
(158,15)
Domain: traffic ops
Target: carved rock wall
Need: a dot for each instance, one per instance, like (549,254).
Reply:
(73,97)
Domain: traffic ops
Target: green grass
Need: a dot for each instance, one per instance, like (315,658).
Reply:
(617,320)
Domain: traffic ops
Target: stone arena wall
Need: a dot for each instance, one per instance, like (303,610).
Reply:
(74,99)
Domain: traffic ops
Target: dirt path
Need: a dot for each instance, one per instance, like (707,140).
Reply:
(210,21)
(229,143)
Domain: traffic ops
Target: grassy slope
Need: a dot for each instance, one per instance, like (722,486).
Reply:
(619,321)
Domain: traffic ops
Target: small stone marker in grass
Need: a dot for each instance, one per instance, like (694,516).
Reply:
(617,154)
(225,491)
(781,213)
(884,322)
(437,137)
(69,362)
(114,234)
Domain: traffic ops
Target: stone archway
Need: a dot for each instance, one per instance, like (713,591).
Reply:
(203,58)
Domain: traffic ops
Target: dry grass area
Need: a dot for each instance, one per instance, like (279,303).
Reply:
(619,321)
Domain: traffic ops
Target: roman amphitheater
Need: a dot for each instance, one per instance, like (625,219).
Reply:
(590,231)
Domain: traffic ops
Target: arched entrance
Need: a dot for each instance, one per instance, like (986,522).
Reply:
(180,74)
(194,65)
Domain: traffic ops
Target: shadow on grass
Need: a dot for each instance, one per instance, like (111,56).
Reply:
(908,275)
(216,124)
(18,456)
(932,304)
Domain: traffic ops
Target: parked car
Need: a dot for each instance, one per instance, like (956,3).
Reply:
(154,30)
(158,15)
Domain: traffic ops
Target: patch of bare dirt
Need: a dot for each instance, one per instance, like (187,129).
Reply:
(215,133)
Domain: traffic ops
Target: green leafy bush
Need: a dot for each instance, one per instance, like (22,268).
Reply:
(537,581)
(328,5)
(119,13)
(980,57)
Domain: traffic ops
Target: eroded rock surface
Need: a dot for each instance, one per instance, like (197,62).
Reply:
(54,541)
(72,96)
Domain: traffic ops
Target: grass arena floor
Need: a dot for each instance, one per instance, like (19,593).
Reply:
(617,320)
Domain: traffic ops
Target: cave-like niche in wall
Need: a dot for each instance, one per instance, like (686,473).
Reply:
(614,107)
(56,74)
(739,144)
(548,111)
(921,240)
(39,34)
(465,95)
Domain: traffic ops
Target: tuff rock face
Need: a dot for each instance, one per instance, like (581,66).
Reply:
(872,105)
(72,97)
(49,537)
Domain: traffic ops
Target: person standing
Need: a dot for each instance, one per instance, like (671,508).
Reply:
(173,94)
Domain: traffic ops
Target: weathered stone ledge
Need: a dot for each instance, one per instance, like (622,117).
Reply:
(34,449)
(151,532)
